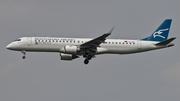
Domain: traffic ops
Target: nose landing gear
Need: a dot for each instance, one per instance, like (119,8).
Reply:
(23,57)
(24,54)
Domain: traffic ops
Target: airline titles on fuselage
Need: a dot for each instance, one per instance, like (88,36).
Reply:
(54,39)
(73,40)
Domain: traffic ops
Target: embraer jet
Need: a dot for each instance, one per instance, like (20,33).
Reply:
(72,48)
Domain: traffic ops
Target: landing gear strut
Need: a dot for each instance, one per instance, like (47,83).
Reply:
(89,57)
(24,54)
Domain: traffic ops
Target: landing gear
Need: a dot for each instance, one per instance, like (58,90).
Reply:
(24,54)
(86,61)
(87,58)
(23,57)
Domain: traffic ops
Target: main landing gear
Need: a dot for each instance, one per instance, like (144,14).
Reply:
(24,54)
(86,61)
(87,58)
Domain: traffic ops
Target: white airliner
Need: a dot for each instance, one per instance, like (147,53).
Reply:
(72,48)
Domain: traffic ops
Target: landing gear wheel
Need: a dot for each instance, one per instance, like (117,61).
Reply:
(24,52)
(24,57)
(89,57)
(86,61)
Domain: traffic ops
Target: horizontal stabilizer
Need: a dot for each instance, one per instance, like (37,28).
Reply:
(166,42)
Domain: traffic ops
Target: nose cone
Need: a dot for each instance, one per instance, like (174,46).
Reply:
(10,46)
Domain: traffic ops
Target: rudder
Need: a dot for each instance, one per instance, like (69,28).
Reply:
(161,33)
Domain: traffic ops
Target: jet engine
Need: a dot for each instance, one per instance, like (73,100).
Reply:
(69,49)
(68,56)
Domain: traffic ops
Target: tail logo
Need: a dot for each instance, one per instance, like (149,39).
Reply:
(159,32)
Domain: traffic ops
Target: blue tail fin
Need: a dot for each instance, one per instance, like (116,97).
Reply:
(161,33)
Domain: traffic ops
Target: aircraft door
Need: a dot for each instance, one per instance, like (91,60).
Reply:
(29,41)
(138,44)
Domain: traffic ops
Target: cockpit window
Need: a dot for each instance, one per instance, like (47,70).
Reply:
(17,40)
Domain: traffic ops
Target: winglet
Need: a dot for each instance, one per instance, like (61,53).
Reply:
(111,30)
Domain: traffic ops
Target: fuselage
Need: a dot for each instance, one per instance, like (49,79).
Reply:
(54,44)
(72,48)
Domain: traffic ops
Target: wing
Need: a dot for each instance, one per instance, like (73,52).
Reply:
(94,43)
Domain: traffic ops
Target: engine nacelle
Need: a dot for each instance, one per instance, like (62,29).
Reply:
(69,49)
(68,56)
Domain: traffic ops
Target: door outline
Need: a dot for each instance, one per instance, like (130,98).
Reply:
(29,41)
(138,44)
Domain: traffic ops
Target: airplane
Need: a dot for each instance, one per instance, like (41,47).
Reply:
(72,48)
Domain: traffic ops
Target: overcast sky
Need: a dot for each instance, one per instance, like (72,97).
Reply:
(150,76)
